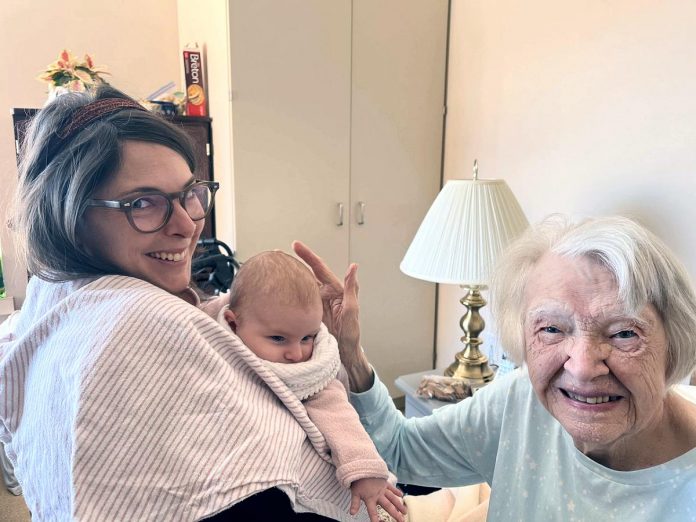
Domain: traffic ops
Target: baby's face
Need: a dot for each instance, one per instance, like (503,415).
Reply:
(279,333)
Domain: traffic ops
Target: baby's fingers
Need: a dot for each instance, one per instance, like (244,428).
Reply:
(354,503)
(396,499)
(394,505)
(394,490)
(372,511)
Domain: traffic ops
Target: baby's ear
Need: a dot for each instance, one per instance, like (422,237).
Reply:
(231,319)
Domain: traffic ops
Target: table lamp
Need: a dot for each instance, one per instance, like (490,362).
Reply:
(469,224)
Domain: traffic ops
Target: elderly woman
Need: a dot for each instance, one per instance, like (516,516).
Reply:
(603,318)
(120,400)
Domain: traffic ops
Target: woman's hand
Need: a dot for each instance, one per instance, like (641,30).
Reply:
(341,309)
(341,315)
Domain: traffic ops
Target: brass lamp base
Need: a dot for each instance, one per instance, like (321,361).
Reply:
(474,371)
(470,364)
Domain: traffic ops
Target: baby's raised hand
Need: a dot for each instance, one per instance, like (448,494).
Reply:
(373,492)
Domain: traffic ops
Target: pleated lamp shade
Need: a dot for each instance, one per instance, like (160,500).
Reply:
(469,224)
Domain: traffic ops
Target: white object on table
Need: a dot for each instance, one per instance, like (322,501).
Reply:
(417,406)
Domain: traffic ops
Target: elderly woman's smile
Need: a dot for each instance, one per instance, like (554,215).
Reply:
(599,370)
(593,400)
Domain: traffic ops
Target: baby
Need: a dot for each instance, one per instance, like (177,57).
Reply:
(276,310)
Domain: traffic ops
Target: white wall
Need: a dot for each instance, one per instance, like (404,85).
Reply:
(582,107)
(137,40)
(207,24)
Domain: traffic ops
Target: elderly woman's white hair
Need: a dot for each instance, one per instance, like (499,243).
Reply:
(644,268)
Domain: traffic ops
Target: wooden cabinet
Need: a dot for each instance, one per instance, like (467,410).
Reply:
(198,128)
(200,131)
(337,111)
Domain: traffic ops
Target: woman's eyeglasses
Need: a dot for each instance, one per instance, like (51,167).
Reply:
(150,211)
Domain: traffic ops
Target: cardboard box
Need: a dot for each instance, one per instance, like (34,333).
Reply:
(196,96)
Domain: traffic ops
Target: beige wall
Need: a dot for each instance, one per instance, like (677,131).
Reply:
(137,40)
(583,107)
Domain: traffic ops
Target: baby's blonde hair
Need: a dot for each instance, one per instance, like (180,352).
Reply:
(276,275)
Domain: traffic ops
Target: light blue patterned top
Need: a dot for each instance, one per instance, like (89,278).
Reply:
(504,436)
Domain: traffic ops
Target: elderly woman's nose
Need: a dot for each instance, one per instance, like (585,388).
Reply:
(587,358)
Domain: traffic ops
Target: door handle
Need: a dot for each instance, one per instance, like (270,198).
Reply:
(339,222)
(361,212)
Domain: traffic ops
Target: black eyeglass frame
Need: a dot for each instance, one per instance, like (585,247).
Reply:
(126,205)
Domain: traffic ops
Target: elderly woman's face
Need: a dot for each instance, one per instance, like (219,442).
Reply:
(145,166)
(599,371)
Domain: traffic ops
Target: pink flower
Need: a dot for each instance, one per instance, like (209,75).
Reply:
(71,73)
(77,86)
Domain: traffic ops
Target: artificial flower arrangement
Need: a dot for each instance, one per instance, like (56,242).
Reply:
(68,74)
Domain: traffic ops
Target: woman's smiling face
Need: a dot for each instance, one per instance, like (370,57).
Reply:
(598,370)
(162,258)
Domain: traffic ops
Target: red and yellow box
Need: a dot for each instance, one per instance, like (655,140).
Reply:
(196,99)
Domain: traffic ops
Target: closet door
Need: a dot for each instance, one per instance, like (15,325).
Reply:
(290,76)
(341,102)
(398,97)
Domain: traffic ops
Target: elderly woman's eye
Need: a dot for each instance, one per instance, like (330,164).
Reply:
(551,329)
(625,334)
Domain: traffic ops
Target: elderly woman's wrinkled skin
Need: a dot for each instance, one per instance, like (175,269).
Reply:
(598,370)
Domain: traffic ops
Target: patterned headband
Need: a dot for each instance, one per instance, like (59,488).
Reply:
(94,111)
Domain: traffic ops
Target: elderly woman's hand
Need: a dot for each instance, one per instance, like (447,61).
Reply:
(341,315)
(340,300)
